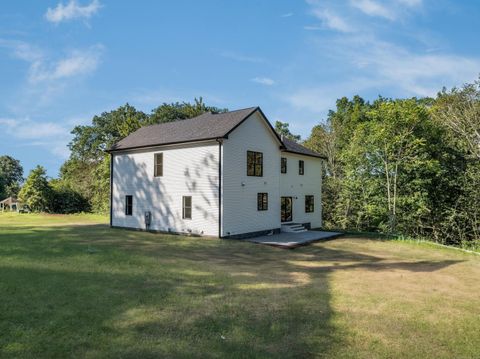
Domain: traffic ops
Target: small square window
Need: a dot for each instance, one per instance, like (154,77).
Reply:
(158,165)
(301,167)
(187,207)
(262,201)
(283,165)
(128,205)
(309,204)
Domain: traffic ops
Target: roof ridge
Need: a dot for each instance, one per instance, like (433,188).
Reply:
(177,119)
(205,113)
(240,109)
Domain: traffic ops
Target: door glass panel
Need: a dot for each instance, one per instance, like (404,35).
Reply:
(286,209)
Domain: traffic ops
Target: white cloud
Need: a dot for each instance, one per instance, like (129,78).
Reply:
(71,11)
(319,99)
(22,50)
(384,68)
(8,122)
(78,62)
(288,14)
(419,74)
(241,58)
(49,135)
(28,129)
(264,81)
(313,27)
(330,20)
(411,3)
(373,8)
(377,66)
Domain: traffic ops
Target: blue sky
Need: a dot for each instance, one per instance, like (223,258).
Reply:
(63,62)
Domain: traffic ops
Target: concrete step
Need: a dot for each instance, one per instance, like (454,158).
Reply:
(293,228)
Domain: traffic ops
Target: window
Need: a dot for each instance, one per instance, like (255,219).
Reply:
(187,207)
(158,164)
(128,205)
(309,204)
(254,164)
(301,167)
(262,201)
(283,165)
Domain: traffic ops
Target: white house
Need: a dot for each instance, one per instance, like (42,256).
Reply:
(224,175)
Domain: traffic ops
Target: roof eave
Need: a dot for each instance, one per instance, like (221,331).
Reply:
(306,154)
(110,150)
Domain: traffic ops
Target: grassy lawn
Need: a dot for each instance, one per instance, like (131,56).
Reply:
(70,287)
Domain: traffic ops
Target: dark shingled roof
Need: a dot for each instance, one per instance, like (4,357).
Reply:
(207,126)
(292,146)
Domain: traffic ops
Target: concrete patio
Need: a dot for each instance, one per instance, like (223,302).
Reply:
(293,240)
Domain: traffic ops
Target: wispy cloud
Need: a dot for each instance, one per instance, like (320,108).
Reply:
(319,99)
(330,20)
(418,74)
(373,8)
(288,14)
(241,57)
(385,68)
(28,129)
(78,62)
(411,3)
(72,11)
(42,68)
(22,50)
(313,27)
(375,63)
(49,135)
(264,81)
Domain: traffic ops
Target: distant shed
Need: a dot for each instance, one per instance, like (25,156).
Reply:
(10,204)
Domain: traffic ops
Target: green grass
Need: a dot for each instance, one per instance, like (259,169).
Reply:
(70,287)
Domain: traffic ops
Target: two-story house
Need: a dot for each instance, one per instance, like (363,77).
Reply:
(224,175)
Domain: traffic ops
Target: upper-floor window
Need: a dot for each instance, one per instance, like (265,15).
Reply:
(254,163)
(262,201)
(283,165)
(187,207)
(128,205)
(158,164)
(309,204)
(301,167)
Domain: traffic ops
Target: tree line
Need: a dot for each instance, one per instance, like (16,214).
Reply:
(400,166)
(404,166)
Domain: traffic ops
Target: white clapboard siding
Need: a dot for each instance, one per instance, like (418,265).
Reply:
(240,214)
(297,186)
(188,170)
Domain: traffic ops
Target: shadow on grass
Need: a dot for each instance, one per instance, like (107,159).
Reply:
(93,291)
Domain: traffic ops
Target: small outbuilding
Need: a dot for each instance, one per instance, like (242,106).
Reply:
(10,204)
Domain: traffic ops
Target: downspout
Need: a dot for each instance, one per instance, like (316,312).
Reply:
(111,189)
(220,141)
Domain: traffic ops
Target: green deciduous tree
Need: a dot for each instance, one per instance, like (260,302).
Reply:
(11,176)
(168,112)
(283,129)
(36,192)
(64,199)
(458,113)
(381,163)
